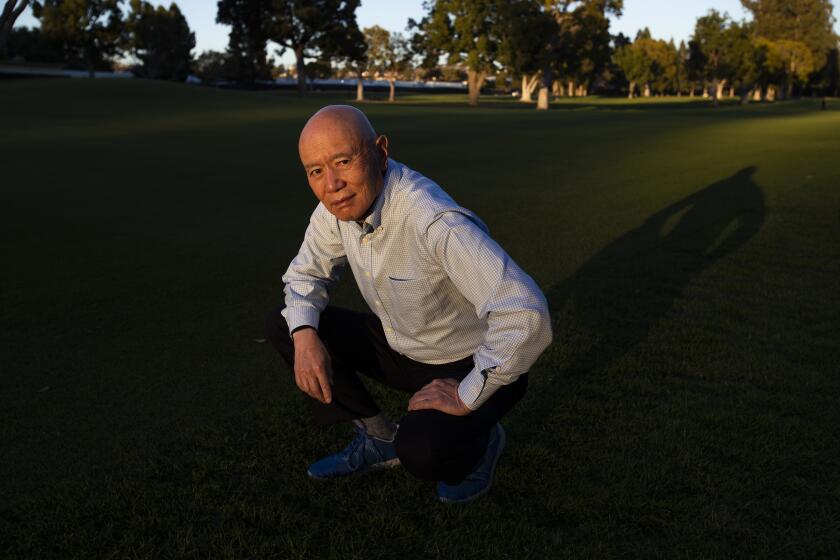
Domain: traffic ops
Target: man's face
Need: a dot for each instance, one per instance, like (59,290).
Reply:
(344,171)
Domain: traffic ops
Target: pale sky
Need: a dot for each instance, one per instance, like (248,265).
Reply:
(666,19)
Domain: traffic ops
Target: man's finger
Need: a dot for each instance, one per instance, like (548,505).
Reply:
(314,389)
(324,385)
(420,402)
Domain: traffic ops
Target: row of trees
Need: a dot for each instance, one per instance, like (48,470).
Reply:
(786,46)
(545,47)
(90,33)
(565,46)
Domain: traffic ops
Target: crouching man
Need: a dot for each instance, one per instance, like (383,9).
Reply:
(455,322)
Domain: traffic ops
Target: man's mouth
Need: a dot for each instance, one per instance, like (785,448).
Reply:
(343,201)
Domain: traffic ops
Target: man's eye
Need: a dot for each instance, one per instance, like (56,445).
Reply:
(343,162)
(314,172)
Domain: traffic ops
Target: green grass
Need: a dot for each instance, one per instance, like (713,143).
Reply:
(688,407)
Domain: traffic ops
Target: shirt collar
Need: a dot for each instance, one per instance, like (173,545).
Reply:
(374,219)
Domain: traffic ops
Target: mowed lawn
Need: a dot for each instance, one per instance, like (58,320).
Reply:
(689,406)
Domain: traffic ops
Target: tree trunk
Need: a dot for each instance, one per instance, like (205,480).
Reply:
(391,93)
(745,97)
(731,92)
(91,67)
(647,90)
(529,84)
(475,79)
(360,87)
(571,88)
(301,71)
(542,98)
(719,85)
(757,94)
(7,19)
(545,87)
(525,94)
(771,94)
(632,93)
(557,89)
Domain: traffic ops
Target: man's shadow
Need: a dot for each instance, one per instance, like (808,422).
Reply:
(612,302)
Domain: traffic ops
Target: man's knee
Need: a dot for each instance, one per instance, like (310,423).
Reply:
(423,451)
(415,448)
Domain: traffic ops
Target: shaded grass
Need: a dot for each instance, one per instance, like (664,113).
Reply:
(686,409)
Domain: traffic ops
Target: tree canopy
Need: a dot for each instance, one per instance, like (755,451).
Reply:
(315,29)
(806,21)
(248,37)
(388,54)
(88,32)
(161,39)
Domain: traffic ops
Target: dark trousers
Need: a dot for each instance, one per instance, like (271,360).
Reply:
(431,445)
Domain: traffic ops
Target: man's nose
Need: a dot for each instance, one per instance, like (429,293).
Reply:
(334,180)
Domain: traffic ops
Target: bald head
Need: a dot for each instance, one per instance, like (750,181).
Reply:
(345,161)
(334,118)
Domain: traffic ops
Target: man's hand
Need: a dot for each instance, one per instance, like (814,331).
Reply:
(440,394)
(313,370)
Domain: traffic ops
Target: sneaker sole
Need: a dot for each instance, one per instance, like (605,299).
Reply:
(502,442)
(389,464)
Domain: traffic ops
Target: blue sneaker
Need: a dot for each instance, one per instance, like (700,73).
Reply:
(364,453)
(478,482)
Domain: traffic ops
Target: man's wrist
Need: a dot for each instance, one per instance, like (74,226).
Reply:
(302,328)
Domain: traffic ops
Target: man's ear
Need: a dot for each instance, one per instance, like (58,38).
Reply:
(383,149)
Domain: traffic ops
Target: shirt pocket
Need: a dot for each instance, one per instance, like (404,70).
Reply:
(413,302)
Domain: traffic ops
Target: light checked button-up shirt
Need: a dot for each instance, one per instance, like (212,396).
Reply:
(428,268)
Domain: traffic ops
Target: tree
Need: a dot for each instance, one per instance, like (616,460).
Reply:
(586,37)
(248,37)
(647,62)
(807,21)
(580,46)
(32,46)
(469,32)
(88,31)
(744,59)
(315,29)
(347,46)
(213,67)
(830,75)
(388,55)
(522,48)
(11,11)
(161,40)
(790,62)
(682,73)
(712,44)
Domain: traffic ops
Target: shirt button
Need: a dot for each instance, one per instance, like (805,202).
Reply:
(367,274)
(389,330)
(379,303)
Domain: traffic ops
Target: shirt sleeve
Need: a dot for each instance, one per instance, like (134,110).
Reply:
(518,322)
(310,274)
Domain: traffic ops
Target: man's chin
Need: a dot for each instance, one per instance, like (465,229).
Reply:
(346,214)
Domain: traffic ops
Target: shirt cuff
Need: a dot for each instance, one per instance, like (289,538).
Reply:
(301,317)
(474,390)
